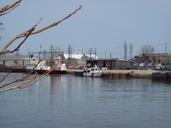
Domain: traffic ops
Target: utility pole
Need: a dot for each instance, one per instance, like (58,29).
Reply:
(125,51)
(110,55)
(131,51)
(44,54)
(40,52)
(165,47)
(105,54)
(95,53)
(168,58)
(69,55)
(90,52)
(51,52)
(69,51)
(1,28)
(82,51)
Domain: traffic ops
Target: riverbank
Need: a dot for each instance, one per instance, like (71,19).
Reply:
(116,74)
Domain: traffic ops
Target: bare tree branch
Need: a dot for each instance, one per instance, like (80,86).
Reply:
(10,7)
(4,77)
(57,22)
(8,89)
(27,34)
(23,34)
(28,82)
(29,79)
(37,79)
(20,79)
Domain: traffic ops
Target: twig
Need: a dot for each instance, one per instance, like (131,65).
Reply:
(23,34)
(8,8)
(28,83)
(57,22)
(34,81)
(27,34)
(8,89)
(4,77)
(21,79)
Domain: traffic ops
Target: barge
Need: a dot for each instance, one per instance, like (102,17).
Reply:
(164,76)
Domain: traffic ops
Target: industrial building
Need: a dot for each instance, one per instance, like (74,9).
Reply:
(110,64)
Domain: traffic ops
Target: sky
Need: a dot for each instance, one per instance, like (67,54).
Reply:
(101,24)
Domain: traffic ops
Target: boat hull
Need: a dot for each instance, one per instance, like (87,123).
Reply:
(95,74)
(24,70)
(79,74)
(164,76)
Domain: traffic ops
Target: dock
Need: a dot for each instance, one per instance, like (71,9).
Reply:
(119,74)
(128,73)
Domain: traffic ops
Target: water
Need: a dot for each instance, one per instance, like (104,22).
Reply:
(75,102)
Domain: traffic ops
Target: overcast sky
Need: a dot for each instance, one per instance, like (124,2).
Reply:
(101,24)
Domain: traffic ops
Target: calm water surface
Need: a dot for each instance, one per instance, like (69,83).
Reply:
(74,102)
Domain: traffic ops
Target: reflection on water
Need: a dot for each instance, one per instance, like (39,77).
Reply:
(72,102)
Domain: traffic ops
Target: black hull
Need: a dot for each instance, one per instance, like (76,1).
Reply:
(162,76)
(23,70)
(80,74)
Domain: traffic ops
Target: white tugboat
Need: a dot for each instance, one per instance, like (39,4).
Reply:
(92,71)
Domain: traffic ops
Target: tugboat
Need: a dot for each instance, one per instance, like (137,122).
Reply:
(38,66)
(41,67)
(92,71)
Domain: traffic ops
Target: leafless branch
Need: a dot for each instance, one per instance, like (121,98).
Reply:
(8,89)
(4,77)
(21,79)
(37,79)
(27,34)
(27,82)
(57,22)
(23,34)
(29,79)
(10,7)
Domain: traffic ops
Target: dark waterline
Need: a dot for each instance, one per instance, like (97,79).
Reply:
(75,102)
